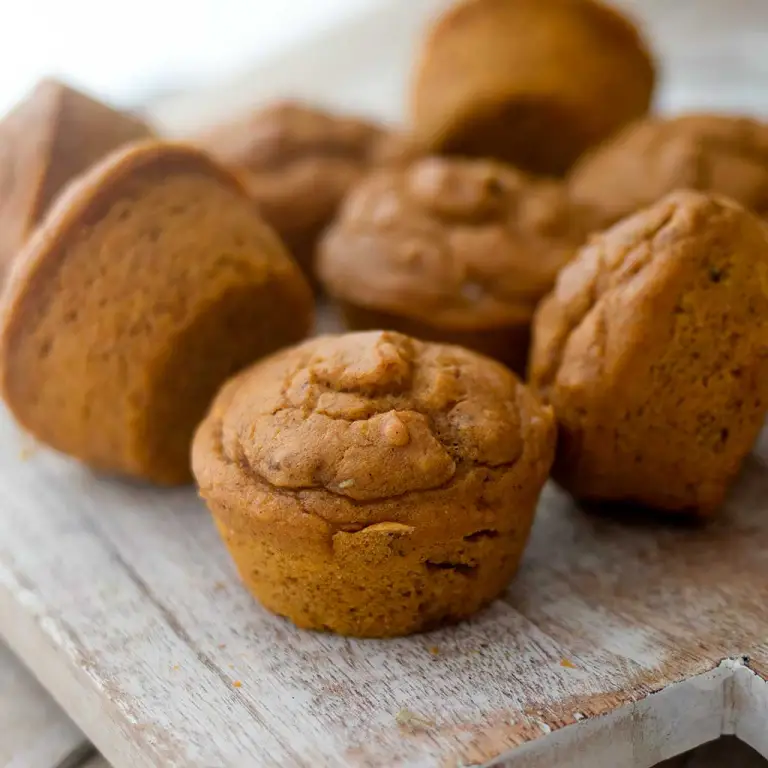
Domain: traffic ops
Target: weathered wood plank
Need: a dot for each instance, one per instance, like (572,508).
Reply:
(34,732)
(758,660)
(149,618)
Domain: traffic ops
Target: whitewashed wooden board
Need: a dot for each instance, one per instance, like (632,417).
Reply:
(34,732)
(620,644)
(126,604)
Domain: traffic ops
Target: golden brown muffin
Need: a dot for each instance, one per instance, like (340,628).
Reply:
(300,162)
(710,153)
(653,350)
(529,82)
(46,140)
(373,485)
(151,281)
(451,250)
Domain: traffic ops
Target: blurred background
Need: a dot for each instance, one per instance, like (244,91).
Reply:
(138,51)
(191,62)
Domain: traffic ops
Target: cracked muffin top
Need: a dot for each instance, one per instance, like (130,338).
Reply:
(715,153)
(355,428)
(460,243)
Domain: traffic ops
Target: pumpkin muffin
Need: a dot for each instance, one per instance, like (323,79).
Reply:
(653,350)
(451,250)
(151,281)
(711,153)
(529,82)
(373,485)
(300,163)
(46,140)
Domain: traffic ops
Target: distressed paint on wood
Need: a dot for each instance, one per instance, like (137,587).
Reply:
(34,732)
(149,616)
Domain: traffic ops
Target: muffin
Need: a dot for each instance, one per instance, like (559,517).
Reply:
(451,250)
(46,140)
(374,485)
(653,157)
(529,82)
(653,350)
(151,281)
(300,163)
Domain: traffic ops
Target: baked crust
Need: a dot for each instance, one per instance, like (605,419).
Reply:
(653,351)
(372,484)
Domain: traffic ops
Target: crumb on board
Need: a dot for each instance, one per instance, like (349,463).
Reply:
(434,650)
(412,721)
(237,684)
(219,586)
(28,450)
(176,667)
(221,646)
(568,664)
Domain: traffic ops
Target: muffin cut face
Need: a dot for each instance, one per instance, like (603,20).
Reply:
(527,82)
(55,134)
(300,161)
(372,484)
(653,350)
(151,282)
(451,250)
(648,160)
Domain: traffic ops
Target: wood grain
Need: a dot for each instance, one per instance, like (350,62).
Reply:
(34,732)
(130,592)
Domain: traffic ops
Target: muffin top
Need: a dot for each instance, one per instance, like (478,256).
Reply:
(716,153)
(643,283)
(301,160)
(459,243)
(340,422)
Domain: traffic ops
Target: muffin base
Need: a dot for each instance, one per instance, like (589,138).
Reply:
(383,581)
